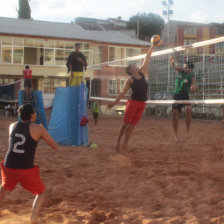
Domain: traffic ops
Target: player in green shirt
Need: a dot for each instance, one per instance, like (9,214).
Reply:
(185,82)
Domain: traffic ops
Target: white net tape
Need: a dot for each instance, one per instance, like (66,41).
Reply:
(219,101)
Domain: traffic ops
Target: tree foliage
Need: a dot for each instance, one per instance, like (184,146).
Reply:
(149,24)
(24,11)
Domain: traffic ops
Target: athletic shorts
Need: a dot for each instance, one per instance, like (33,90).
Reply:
(28,83)
(28,178)
(133,111)
(76,80)
(180,97)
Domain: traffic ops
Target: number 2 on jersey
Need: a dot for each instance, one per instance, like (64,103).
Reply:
(23,139)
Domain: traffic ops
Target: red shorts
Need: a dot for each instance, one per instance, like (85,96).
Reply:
(134,111)
(28,178)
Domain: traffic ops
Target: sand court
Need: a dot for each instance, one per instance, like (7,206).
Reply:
(157,181)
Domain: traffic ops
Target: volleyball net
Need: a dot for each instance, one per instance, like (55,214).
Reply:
(9,92)
(208,60)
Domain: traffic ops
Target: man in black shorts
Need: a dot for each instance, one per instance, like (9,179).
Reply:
(27,73)
(185,82)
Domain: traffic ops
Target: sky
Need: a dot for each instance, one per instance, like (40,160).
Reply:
(202,11)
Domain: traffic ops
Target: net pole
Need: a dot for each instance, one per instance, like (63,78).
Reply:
(203,83)
(90,85)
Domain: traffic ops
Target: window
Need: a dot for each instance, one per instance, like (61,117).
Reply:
(18,41)
(50,85)
(6,41)
(11,80)
(49,43)
(18,55)
(131,52)
(112,87)
(6,54)
(4,81)
(116,53)
(86,46)
(188,42)
(33,55)
(37,51)
(190,31)
(97,54)
(219,31)
(28,42)
(219,46)
(69,45)
(39,43)
(95,87)
(87,55)
(59,44)
(49,57)
(59,57)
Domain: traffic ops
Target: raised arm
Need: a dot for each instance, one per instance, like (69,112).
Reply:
(145,64)
(127,86)
(173,65)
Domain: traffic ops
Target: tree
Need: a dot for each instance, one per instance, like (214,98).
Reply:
(149,25)
(24,11)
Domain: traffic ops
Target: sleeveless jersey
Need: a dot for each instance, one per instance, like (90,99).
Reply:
(22,148)
(139,88)
(27,73)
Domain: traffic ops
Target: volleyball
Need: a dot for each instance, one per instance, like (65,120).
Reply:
(156,40)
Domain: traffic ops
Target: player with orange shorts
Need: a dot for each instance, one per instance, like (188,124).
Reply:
(18,165)
(136,104)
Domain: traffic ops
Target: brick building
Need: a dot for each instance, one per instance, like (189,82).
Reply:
(185,33)
(45,46)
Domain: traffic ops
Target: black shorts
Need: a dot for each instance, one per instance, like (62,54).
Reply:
(180,97)
(95,115)
(28,83)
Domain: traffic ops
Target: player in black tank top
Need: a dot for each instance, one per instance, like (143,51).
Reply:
(135,105)
(18,166)
(139,88)
(22,148)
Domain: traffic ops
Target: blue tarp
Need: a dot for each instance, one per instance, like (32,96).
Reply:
(38,104)
(70,104)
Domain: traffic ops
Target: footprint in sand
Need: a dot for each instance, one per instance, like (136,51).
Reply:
(121,160)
